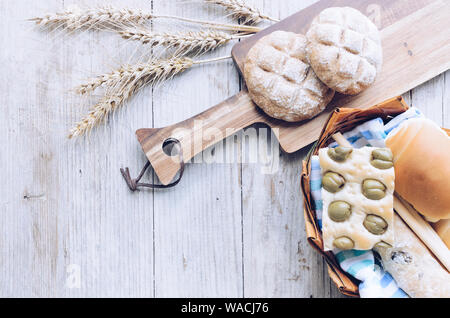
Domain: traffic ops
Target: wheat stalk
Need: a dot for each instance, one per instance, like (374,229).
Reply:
(109,79)
(107,16)
(241,10)
(76,18)
(214,25)
(184,42)
(124,83)
(127,81)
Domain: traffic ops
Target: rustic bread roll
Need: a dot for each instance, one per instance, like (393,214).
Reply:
(412,266)
(280,80)
(443,230)
(422,170)
(344,49)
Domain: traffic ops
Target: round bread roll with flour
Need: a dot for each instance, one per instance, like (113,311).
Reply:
(344,49)
(280,80)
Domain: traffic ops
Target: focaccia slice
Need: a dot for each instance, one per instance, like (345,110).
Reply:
(357,194)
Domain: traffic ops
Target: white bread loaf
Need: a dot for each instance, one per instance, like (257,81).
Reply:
(412,266)
(421,152)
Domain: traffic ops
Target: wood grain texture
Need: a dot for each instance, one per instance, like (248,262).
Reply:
(197,133)
(64,205)
(198,247)
(226,230)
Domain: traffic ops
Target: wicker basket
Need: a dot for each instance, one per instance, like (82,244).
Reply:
(341,120)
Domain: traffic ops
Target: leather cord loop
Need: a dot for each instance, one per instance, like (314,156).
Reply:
(135,184)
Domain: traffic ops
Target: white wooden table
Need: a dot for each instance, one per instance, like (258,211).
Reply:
(69,226)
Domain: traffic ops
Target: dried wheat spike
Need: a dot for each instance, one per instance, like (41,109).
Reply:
(77,18)
(184,42)
(241,10)
(111,17)
(106,80)
(126,82)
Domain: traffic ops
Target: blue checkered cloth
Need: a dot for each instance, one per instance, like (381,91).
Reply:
(363,265)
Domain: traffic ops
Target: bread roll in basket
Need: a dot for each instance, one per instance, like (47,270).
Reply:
(341,120)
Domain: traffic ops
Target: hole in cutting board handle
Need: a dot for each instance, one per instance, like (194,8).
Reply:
(171,147)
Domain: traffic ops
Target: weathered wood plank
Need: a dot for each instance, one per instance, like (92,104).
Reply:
(198,238)
(429,98)
(67,207)
(29,226)
(446,100)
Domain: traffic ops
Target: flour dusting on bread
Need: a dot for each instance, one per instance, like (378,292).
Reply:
(344,49)
(281,81)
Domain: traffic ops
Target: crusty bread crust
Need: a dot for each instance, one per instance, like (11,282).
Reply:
(413,267)
(344,49)
(422,170)
(280,80)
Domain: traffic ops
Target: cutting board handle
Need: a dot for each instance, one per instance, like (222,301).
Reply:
(196,134)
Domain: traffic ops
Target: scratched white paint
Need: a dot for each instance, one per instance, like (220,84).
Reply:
(69,227)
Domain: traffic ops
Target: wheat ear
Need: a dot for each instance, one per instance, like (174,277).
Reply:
(184,42)
(241,10)
(105,17)
(99,17)
(108,80)
(112,79)
(131,80)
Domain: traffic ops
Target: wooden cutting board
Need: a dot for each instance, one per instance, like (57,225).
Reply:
(416,47)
